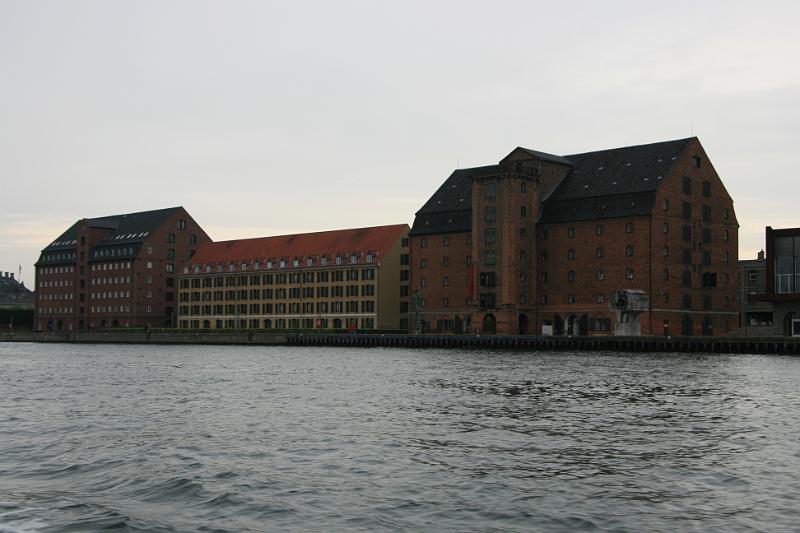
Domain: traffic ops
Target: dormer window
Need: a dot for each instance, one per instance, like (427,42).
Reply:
(244,266)
(296,263)
(282,263)
(353,258)
(369,258)
(231,267)
(338,259)
(309,262)
(696,161)
(324,261)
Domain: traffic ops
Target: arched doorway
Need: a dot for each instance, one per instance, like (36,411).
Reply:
(708,325)
(489,324)
(788,323)
(558,325)
(572,325)
(522,324)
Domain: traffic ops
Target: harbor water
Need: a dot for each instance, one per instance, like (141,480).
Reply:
(251,438)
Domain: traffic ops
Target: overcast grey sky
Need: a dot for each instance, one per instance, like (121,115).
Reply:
(266,117)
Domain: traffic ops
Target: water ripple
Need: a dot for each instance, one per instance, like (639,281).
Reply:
(155,438)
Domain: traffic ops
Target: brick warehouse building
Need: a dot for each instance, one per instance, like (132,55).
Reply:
(115,271)
(634,240)
(352,278)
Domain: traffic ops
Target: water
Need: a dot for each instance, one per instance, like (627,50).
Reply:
(202,438)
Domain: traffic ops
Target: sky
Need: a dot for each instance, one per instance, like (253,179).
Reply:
(265,118)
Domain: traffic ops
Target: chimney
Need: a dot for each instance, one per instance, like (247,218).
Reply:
(11,274)
(761,255)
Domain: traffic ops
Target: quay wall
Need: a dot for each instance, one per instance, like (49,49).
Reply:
(751,345)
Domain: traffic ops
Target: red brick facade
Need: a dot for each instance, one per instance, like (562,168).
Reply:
(670,236)
(116,271)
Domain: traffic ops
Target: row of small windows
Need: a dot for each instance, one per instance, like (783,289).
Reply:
(114,294)
(337,307)
(60,256)
(282,263)
(51,297)
(56,270)
(56,283)
(113,252)
(55,310)
(294,293)
(292,278)
(116,309)
(112,266)
(281,323)
(110,281)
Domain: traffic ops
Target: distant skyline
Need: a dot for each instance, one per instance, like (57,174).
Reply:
(270,118)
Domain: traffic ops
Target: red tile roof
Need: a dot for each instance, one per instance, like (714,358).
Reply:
(361,241)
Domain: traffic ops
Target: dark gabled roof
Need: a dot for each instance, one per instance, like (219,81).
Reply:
(544,156)
(631,169)
(615,206)
(449,210)
(377,241)
(456,192)
(126,228)
(605,184)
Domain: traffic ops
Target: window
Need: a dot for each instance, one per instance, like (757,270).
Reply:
(687,232)
(489,236)
(665,274)
(599,252)
(687,301)
(523,211)
(706,213)
(706,258)
(600,299)
(600,275)
(445,261)
(629,273)
(687,256)
(706,188)
(523,187)
(445,281)
(423,282)
(523,255)
(445,242)
(490,190)
(423,262)
(571,232)
(149,264)
(490,214)
(488,279)
(706,235)
(571,275)
(445,302)
(523,233)
(170,237)
(571,253)
(707,301)
(752,276)
(490,258)
(696,161)
(192,239)
(665,227)
(726,213)
(664,204)
(629,227)
(687,279)
(570,298)
(629,250)
(181,224)
(598,230)
(170,267)
(687,211)
(665,251)
(423,243)
(543,299)
(709,279)
(523,276)
(687,185)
